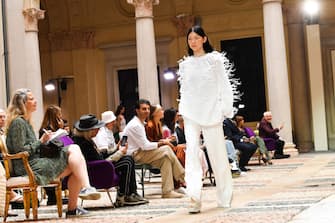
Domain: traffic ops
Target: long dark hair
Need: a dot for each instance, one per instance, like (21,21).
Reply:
(170,118)
(200,31)
(52,118)
(119,109)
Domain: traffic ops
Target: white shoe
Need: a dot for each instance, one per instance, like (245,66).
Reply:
(89,193)
(180,190)
(194,206)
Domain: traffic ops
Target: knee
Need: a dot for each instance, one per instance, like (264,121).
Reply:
(74,150)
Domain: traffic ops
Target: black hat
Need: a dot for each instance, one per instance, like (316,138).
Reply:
(88,122)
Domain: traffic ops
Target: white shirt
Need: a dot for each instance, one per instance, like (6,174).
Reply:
(206,95)
(104,139)
(137,139)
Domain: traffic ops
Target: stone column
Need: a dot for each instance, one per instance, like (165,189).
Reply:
(146,50)
(316,85)
(276,64)
(32,13)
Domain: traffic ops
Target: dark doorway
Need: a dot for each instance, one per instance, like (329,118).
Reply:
(128,88)
(247,57)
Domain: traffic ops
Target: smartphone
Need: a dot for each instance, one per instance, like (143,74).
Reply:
(124,140)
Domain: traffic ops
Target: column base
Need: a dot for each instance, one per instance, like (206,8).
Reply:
(290,148)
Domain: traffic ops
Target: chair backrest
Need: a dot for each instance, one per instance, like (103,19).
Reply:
(97,171)
(7,163)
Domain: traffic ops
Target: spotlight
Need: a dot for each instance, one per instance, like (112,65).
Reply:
(50,86)
(311,7)
(169,75)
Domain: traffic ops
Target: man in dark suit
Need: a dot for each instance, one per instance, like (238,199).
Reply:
(246,148)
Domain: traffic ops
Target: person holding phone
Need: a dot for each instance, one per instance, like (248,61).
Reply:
(96,142)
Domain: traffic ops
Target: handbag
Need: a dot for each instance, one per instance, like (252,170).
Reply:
(51,149)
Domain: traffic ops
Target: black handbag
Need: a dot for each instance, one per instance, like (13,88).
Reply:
(51,149)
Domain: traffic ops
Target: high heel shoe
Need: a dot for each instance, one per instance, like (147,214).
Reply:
(265,160)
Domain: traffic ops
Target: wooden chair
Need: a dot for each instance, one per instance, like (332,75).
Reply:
(27,183)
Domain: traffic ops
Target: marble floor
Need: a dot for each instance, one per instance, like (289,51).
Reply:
(298,189)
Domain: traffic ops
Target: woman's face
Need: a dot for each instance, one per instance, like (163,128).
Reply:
(31,103)
(159,114)
(196,42)
(94,132)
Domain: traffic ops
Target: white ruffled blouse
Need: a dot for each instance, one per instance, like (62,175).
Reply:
(206,95)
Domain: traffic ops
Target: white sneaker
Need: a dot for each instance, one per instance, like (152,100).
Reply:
(194,206)
(180,190)
(89,193)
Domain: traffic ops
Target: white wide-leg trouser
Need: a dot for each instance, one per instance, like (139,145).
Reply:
(216,148)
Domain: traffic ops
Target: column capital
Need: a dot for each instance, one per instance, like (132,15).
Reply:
(269,1)
(143,8)
(31,17)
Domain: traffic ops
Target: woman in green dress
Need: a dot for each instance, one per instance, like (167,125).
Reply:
(71,163)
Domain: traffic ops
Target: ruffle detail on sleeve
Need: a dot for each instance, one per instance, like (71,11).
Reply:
(229,69)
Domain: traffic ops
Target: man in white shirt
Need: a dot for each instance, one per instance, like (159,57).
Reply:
(157,154)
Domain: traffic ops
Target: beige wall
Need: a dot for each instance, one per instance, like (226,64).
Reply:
(79,38)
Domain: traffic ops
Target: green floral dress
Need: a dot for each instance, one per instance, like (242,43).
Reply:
(21,137)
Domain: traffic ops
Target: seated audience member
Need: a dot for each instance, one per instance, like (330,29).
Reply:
(180,130)
(247,132)
(168,132)
(266,130)
(157,154)
(14,197)
(246,148)
(71,163)
(120,121)
(52,121)
(88,127)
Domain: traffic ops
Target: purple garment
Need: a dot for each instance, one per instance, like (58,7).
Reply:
(66,140)
(249,132)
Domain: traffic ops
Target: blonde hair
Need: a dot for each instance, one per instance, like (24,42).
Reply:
(17,106)
(158,126)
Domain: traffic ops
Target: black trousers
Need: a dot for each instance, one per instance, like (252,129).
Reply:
(246,151)
(125,167)
(279,147)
